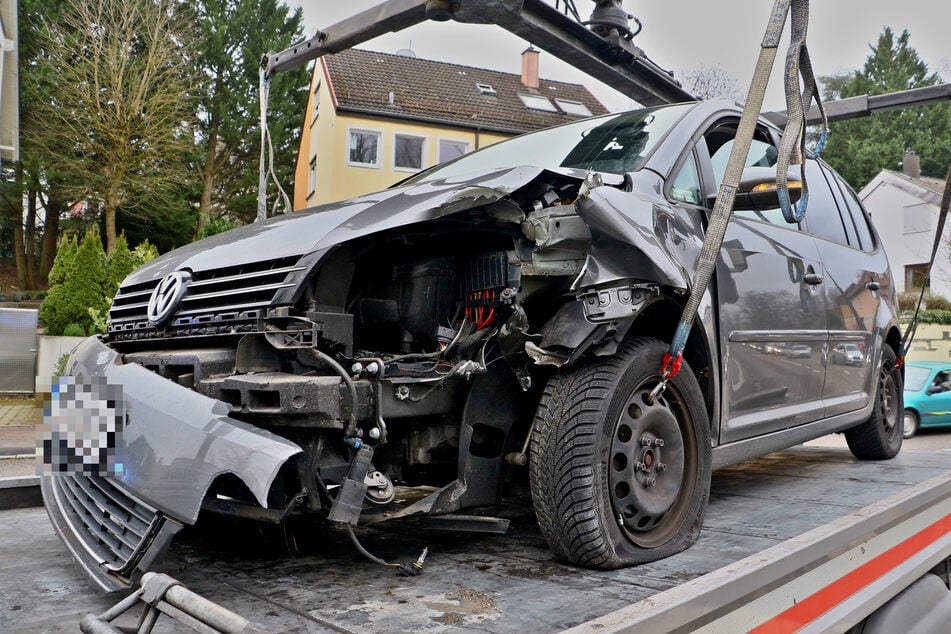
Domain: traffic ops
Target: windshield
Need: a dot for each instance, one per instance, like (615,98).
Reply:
(915,377)
(615,144)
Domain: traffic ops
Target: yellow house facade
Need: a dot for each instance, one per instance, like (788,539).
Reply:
(374,119)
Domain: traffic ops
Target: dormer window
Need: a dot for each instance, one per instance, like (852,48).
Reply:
(486,89)
(537,102)
(573,107)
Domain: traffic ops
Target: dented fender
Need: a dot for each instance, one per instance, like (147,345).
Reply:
(634,238)
(175,441)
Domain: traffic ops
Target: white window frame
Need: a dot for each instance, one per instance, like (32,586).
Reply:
(486,89)
(422,152)
(462,142)
(534,102)
(312,176)
(573,103)
(379,147)
(315,96)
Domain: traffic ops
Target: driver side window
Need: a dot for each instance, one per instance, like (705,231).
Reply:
(942,382)
(762,154)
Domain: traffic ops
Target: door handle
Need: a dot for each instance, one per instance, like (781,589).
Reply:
(812,279)
(873,286)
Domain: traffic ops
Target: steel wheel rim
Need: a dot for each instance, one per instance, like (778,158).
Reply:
(889,393)
(649,480)
(908,424)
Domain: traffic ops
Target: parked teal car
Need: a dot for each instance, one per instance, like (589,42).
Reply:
(927,396)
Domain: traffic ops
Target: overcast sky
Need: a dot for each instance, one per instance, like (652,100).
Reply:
(682,35)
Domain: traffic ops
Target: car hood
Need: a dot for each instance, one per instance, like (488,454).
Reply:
(321,227)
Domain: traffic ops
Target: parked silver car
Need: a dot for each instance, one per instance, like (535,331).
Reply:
(506,309)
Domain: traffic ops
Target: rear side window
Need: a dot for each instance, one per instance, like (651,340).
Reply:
(822,213)
(856,213)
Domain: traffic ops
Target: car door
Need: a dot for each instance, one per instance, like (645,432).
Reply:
(770,304)
(853,271)
(935,405)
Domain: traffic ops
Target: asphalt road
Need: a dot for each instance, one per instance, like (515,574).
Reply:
(926,439)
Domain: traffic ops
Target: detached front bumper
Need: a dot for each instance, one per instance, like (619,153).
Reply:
(171,447)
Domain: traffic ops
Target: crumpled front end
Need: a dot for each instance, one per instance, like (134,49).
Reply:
(169,446)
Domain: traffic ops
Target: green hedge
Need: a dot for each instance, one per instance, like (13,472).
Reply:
(932,316)
(84,280)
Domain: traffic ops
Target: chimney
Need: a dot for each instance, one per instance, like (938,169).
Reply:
(530,67)
(911,165)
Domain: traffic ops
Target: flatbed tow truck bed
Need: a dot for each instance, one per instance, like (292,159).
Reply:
(803,527)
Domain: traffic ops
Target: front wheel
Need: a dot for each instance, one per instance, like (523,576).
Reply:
(909,424)
(879,438)
(618,479)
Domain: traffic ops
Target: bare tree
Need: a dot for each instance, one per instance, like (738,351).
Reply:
(709,82)
(944,69)
(116,124)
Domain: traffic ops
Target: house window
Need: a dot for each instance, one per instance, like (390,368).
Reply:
(918,218)
(537,102)
(916,276)
(364,149)
(486,89)
(573,107)
(408,152)
(315,100)
(449,149)
(312,177)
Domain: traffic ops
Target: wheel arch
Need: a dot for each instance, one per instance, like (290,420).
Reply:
(573,338)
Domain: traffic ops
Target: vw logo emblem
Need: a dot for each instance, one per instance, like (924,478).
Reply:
(165,297)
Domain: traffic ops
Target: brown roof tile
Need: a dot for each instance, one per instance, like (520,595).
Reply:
(445,93)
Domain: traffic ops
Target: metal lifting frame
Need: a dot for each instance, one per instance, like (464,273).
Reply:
(613,60)
(162,594)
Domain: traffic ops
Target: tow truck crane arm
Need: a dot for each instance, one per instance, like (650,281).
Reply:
(612,58)
(867,105)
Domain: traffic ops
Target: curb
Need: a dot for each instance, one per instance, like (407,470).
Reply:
(20,492)
(17,452)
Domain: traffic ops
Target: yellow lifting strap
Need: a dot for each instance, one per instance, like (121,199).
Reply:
(798,62)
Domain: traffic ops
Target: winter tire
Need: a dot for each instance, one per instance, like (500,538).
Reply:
(879,438)
(618,479)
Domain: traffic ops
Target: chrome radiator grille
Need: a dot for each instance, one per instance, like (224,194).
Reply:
(218,301)
(111,525)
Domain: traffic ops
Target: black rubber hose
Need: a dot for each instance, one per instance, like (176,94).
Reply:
(351,430)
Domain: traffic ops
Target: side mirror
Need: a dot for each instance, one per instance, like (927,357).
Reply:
(758,190)
(935,389)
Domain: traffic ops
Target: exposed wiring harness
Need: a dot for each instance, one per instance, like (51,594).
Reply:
(407,570)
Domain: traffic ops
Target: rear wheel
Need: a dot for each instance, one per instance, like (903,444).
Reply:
(879,438)
(618,479)
(909,424)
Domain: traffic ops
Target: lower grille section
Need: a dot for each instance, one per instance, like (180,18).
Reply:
(114,529)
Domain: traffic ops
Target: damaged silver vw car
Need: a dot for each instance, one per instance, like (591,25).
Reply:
(411,351)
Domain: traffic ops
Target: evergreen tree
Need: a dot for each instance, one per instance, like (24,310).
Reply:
(232,37)
(78,282)
(52,310)
(65,254)
(120,263)
(858,149)
(85,284)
